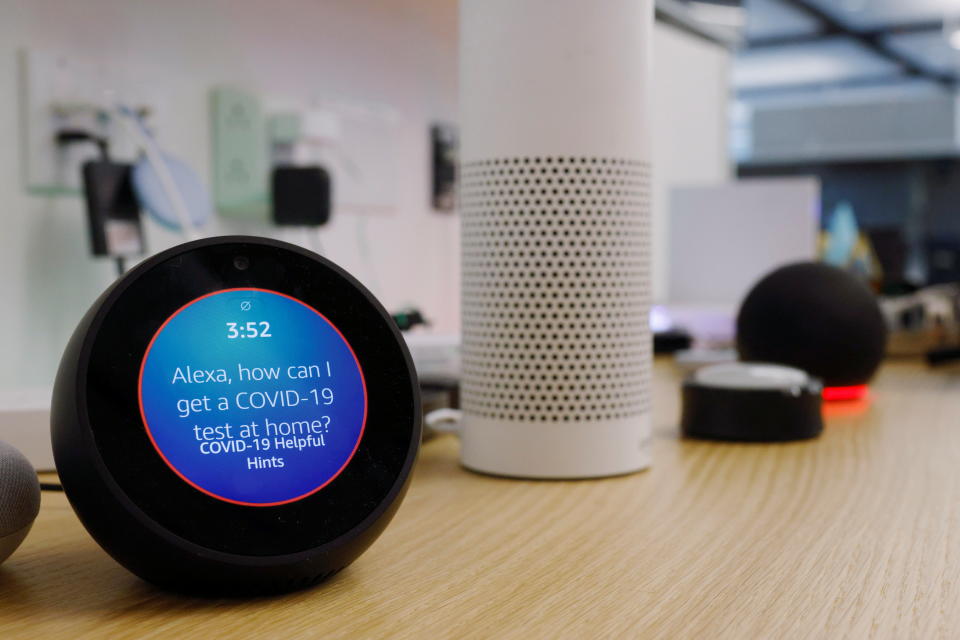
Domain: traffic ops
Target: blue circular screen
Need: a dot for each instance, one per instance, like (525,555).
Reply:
(252,397)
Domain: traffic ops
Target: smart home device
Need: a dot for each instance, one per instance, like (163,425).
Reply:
(555,234)
(235,414)
(751,402)
(818,318)
(19,499)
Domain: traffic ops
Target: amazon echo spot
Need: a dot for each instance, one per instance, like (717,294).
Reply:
(235,415)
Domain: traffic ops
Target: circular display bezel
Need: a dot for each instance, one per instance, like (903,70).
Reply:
(109,383)
(184,474)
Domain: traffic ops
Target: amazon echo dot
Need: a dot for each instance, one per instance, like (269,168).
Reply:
(751,402)
(817,318)
(235,415)
(19,499)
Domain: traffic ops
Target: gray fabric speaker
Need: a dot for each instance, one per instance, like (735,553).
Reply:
(19,499)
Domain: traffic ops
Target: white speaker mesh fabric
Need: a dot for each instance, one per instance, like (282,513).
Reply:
(19,491)
(554,204)
(556,273)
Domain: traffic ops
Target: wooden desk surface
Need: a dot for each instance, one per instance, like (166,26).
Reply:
(856,534)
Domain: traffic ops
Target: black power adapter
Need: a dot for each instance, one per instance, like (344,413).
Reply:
(113,211)
(301,196)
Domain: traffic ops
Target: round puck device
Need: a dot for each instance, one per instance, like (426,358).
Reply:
(751,402)
(235,415)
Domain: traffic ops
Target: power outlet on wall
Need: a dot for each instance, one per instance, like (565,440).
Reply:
(356,142)
(240,181)
(60,91)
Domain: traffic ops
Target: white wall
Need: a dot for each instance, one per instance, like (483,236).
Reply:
(689,117)
(397,52)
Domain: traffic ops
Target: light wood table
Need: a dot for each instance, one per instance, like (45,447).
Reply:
(856,535)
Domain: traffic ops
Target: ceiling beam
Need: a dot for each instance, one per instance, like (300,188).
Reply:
(871,81)
(676,14)
(874,41)
(803,38)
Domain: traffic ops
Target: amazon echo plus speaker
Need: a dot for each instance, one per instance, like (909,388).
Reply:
(555,232)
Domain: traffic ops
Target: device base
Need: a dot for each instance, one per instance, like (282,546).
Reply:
(555,450)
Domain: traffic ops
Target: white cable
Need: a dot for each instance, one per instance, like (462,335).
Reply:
(312,240)
(155,157)
(444,420)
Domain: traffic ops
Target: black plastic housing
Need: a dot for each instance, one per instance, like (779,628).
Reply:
(150,520)
(751,415)
(301,196)
(108,191)
(817,318)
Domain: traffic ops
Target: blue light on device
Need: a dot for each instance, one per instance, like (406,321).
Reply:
(252,397)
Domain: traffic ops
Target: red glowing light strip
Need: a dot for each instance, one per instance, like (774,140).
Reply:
(854,392)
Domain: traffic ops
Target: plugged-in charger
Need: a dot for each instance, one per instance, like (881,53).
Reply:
(113,212)
(301,196)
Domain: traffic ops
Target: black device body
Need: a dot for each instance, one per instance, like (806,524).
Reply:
(671,341)
(113,212)
(160,527)
(754,415)
(443,150)
(301,196)
(817,318)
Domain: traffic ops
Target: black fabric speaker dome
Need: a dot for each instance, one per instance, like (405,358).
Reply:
(814,317)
